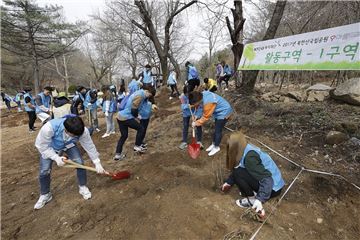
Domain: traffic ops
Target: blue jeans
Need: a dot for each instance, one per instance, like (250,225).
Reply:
(219,125)
(186,124)
(46,166)
(110,126)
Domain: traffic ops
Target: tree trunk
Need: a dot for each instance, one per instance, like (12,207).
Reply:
(164,69)
(66,76)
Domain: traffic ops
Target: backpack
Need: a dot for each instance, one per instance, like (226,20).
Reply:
(193,72)
(123,102)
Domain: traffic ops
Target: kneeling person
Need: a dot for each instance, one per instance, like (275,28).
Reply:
(59,137)
(253,171)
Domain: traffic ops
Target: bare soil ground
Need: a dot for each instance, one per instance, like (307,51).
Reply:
(171,196)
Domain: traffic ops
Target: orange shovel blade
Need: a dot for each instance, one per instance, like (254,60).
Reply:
(194,149)
(120,175)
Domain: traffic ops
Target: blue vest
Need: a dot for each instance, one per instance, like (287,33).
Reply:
(223,108)
(88,100)
(171,79)
(58,143)
(268,163)
(147,78)
(185,106)
(145,110)
(45,101)
(27,109)
(126,112)
(192,74)
(133,86)
(113,105)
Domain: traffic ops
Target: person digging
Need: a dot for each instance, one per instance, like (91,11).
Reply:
(253,172)
(57,138)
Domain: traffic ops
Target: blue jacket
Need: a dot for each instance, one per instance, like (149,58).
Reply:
(112,105)
(88,100)
(268,163)
(145,109)
(192,73)
(223,108)
(27,109)
(147,78)
(171,80)
(45,100)
(133,86)
(58,143)
(126,112)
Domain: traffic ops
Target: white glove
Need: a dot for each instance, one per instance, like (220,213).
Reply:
(60,161)
(99,168)
(106,113)
(257,206)
(193,124)
(154,107)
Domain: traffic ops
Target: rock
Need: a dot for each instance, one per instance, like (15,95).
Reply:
(289,100)
(319,87)
(267,96)
(281,99)
(355,141)
(335,137)
(317,96)
(348,92)
(298,96)
(319,220)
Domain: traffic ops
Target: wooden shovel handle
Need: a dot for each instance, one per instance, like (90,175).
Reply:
(73,164)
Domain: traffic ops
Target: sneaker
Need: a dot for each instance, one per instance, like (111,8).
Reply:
(139,149)
(144,145)
(119,156)
(170,98)
(105,135)
(226,89)
(85,192)
(201,145)
(97,129)
(210,147)
(44,199)
(183,145)
(244,203)
(214,151)
(113,132)
(31,130)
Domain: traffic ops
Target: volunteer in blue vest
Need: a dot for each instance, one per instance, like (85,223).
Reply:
(145,111)
(173,84)
(192,77)
(146,77)
(7,100)
(18,97)
(212,105)
(56,142)
(78,101)
(109,107)
(29,103)
(43,105)
(186,120)
(127,118)
(90,104)
(134,85)
(253,172)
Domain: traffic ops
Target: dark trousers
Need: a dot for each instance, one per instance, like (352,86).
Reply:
(124,130)
(32,119)
(219,125)
(7,102)
(173,89)
(225,79)
(144,123)
(246,183)
(186,124)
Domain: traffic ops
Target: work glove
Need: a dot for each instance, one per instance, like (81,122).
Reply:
(98,166)
(193,124)
(257,206)
(154,107)
(106,114)
(60,161)
(225,187)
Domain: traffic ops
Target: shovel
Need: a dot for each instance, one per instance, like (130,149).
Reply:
(194,147)
(115,176)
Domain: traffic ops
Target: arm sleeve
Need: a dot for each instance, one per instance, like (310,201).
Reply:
(40,104)
(207,113)
(107,105)
(43,142)
(88,144)
(231,180)
(255,167)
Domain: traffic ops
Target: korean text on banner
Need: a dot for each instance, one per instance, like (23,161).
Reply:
(329,49)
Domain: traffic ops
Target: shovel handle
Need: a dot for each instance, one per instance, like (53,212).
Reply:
(193,132)
(73,164)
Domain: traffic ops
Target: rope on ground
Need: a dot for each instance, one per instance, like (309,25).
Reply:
(274,208)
